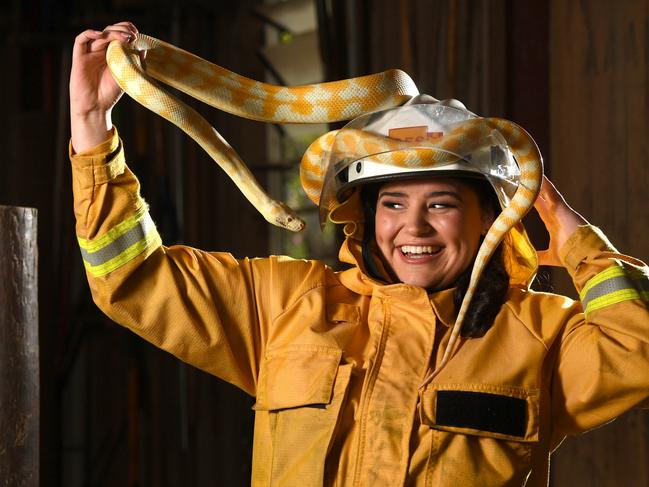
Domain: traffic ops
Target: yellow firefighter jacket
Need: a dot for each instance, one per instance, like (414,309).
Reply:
(335,359)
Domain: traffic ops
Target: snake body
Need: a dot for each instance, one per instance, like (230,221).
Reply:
(530,164)
(236,94)
(317,103)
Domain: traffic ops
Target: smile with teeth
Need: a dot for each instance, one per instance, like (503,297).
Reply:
(419,250)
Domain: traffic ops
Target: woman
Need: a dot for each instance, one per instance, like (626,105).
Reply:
(338,362)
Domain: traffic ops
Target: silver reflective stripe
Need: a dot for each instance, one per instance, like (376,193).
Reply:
(612,285)
(119,245)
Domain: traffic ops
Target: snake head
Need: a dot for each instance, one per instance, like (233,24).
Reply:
(284,216)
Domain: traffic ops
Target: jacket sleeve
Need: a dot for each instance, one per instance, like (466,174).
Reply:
(602,366)
(208,309)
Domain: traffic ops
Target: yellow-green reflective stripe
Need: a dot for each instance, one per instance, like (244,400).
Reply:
(125,243)
(139,230)
(615,271)
(150,240)
(614,285)
(114,233)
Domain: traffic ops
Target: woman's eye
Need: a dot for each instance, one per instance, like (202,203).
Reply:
(392,204)
(440,206)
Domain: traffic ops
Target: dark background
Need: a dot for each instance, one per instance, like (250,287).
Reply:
(115,411)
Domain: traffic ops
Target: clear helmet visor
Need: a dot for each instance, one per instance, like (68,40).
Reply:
(414,141)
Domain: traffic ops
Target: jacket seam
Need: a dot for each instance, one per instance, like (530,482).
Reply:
(92,198)
(511,391)
(291,303)
(260,344)
(531,332)
(93,166)
(428,478)
(365,398)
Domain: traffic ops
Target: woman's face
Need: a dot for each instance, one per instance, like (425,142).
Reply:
(428,230)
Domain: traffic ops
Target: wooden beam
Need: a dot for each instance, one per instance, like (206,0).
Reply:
(19,371)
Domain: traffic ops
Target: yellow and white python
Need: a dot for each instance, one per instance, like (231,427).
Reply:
(230,92)
(317,103)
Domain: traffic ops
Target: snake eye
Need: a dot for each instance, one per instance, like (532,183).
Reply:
(359,167)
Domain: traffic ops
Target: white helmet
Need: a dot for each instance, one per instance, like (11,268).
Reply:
(422,137)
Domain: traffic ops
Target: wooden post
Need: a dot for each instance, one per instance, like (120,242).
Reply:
(19,372)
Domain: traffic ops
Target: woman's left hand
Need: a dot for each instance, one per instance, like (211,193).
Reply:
(560,220)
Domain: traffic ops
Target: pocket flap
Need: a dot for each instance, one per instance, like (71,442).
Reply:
(297,376)
(505,412)
(341,312)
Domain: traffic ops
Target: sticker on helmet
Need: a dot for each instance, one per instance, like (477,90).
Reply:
(414,134)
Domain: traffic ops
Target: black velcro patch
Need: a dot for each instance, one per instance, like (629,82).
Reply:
(482,411)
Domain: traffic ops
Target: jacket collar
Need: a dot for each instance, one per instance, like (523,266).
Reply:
(444,306)
(357,280)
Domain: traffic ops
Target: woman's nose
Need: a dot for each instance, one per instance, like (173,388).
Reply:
(417,224)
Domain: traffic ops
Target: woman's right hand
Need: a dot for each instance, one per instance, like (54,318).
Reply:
(559,219)
(93,91)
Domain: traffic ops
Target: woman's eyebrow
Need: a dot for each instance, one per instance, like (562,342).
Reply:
(397,194)
(393,194)
(453,194)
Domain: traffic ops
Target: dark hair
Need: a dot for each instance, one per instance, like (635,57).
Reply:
(494,283)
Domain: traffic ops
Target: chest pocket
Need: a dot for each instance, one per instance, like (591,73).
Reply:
(301,390)
(481,431)
(296,376)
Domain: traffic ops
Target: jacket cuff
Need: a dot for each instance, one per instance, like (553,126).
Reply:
(100,164)
(583,255)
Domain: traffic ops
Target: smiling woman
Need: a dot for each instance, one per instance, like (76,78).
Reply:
(451,219)
(370,376)
(428,230)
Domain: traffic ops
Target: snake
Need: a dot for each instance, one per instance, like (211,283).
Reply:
(327,102)
(228,91)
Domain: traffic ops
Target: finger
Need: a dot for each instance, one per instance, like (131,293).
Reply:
(134,31)
(107,36)
(544,208)
(550,192)
(87,36)
(82,42)
(123,31)
(548,202)
(124,26)
(129,25)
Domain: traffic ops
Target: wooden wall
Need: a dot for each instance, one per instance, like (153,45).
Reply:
(599,158)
